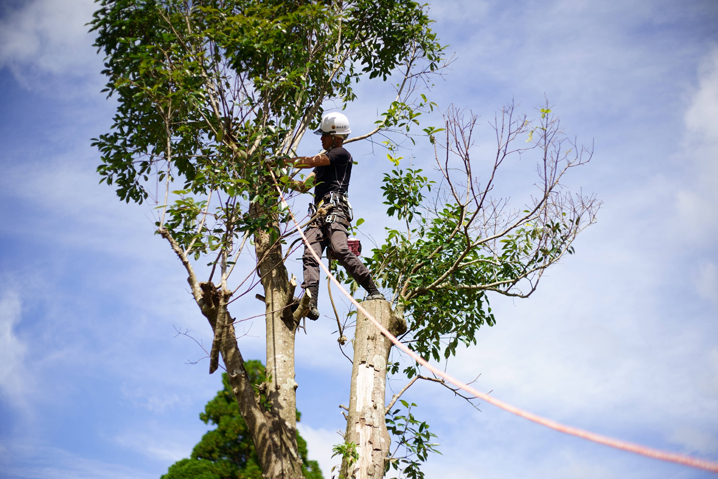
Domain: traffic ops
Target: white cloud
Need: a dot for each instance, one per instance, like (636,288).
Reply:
(75,209)
(319,445)
(707,281)
(459,11)
(154,402)
(160,446)
(37,461)
(710,373)
(318,348)
(695,440)
(702,115)
(13,374)
(488,450)
(582,54)
(697,200)
(45,39)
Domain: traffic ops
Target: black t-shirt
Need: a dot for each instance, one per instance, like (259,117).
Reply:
(335,176)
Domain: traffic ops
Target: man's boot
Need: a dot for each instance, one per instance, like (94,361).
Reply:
(313,313)
(373,291)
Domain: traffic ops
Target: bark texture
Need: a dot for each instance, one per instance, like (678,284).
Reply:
(366,422)
(274,437)
(281,330)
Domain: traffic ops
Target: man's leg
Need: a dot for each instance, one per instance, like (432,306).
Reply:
(311,269)
(352,264)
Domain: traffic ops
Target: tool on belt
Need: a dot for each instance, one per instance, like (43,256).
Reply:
(354,245)
(334,207)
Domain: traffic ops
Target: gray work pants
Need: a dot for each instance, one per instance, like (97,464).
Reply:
(334,235)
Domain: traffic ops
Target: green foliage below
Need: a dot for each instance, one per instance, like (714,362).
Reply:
(227,452)
(193,469)
(348,452)
(413,438)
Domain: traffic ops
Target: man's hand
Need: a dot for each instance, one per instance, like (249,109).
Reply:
(302,186)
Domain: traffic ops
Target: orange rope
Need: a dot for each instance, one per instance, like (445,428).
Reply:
(608,441)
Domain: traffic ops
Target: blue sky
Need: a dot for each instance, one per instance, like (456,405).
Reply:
(620,338)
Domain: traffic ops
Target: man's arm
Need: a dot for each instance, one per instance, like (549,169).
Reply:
(310,161)
(301,162)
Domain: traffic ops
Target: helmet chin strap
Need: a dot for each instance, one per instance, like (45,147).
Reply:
(334,142)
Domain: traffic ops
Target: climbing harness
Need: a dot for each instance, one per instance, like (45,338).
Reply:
(334,207)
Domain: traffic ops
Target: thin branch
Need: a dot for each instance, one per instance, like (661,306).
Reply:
(192,278)
(342,340)
(167,186)
(201,222)
(239,251)
(399,394)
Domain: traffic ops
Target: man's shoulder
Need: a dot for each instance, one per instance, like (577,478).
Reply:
(339,155)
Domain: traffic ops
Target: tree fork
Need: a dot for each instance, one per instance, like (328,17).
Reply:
(366,421)
(273,434)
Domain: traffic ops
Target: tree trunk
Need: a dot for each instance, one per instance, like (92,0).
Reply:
(275,443)
(366,422)
(273,431)
(281,385)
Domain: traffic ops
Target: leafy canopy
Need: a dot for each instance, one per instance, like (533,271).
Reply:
(208,90)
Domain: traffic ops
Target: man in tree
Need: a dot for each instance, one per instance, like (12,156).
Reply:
(207,91)
(331,208)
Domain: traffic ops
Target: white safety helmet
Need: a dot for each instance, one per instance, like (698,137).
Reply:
(334,124)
